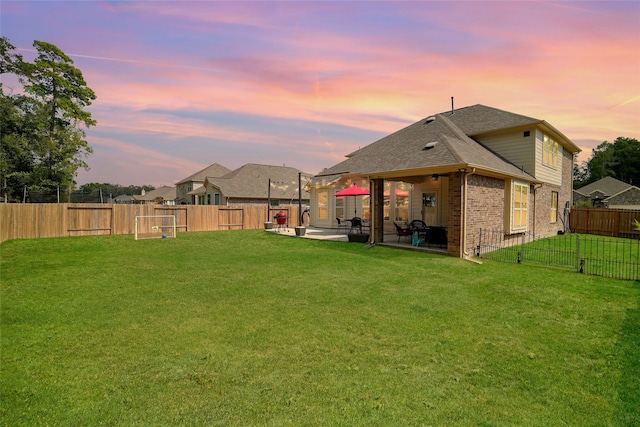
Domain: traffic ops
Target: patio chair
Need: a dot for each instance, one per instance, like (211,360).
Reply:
(402,231)
(419,226)
(342,225)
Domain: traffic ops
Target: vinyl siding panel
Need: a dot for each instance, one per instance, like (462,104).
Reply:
(514,147)
(551,175)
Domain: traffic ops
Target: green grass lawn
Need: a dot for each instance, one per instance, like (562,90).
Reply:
(250,328)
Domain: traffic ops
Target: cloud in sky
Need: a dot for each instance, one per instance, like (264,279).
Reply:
(181,85)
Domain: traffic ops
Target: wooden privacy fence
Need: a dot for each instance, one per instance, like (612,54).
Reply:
(34,220)
(605,222)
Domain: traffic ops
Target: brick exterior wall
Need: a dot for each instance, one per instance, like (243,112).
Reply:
(542,226)
(454,220)
(541,208)
(485,207)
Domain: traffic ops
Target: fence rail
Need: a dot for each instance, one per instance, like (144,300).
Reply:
(34,220)
(590,254)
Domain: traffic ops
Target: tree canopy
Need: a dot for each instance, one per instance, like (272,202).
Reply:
(620,160)
(116,189)
(43,141)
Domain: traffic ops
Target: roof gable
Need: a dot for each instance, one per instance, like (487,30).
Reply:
(251,181)
(478,119)
(607,186)
(211,170)
(164,193)
(435,142)
(631,192)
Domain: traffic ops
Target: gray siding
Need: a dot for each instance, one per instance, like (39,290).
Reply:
(515,147)
(543,172)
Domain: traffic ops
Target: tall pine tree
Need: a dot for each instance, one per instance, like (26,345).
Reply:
(43,129)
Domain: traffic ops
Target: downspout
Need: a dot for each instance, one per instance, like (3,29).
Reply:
(465,254)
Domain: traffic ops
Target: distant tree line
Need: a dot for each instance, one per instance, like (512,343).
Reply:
(43,121)
(620,160)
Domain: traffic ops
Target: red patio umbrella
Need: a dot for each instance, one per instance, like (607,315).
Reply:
(354,190)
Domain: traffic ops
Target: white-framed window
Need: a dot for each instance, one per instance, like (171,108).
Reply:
(323,206)
(550,151)
(553,211)
(387,201)
(366,207)
(402,201)
(339,207)
(518,205)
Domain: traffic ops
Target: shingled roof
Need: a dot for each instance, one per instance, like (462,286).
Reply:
(161,193)
(439,141)
(607,186)
(211,170)
(251,182)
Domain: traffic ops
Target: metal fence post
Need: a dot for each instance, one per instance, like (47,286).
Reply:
(579,265)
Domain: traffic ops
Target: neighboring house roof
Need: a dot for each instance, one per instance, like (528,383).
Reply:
(251,181)
(606,186)
(630,195)
(211,170)
(160,193)
(440,141)
(123,198)
(200,191)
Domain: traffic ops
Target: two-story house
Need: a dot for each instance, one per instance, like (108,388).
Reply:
(464,170)
(256,184)
(190,190)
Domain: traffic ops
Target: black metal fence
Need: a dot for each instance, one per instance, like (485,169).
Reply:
(61,196)
(597,255)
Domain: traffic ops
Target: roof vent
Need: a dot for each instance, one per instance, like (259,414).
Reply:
(429,119)
(429,145)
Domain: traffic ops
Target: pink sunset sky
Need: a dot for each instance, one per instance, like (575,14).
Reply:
(182,85)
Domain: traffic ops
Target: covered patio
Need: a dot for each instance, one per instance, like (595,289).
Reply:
(317,233)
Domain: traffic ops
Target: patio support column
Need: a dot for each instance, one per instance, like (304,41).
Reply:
(455,220)
(377,208)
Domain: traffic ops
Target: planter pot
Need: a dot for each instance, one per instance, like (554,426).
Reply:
(300,230)
(359,237)
(268,225)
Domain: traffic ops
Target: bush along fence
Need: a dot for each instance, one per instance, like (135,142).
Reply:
(35,220)
(617,258)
